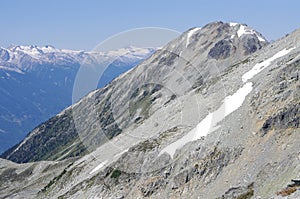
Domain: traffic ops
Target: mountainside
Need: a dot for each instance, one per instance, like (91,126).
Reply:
(213,114)
(211,49)
(37,83)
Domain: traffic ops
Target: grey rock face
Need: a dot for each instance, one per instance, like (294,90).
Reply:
(227,47)
(251,45)
(221,50)
(239,192)
(289,117)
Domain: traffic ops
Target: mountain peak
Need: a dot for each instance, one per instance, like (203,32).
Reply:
(220,40)
(32,49)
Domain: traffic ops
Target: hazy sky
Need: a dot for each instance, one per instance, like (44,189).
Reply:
(75,24)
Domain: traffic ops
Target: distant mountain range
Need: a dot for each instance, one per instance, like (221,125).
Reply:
(37,82)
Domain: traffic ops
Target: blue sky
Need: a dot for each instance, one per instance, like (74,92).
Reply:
(75,24)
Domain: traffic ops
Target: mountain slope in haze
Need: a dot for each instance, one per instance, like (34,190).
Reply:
(37,83)
(254,155)
(249,149)
(198,56)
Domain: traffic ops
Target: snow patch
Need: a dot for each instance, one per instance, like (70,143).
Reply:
(190,34)
(261,66)
(102,164)
(245,30)
(241,31)
(260,38)
(210,122)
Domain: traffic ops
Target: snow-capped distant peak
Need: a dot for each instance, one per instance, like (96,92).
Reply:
(12,58)
(32,51)
(131,52)
(49,49)
(37,52)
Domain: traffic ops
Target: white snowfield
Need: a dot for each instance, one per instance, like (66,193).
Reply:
(106,162)
(241,31)
(230,104)
(246,30)
(102,164)
(190,34)
(209,123)
(261,66)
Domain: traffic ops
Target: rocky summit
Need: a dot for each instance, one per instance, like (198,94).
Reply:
(213,114)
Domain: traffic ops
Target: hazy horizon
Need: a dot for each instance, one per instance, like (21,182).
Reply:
(81,25)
